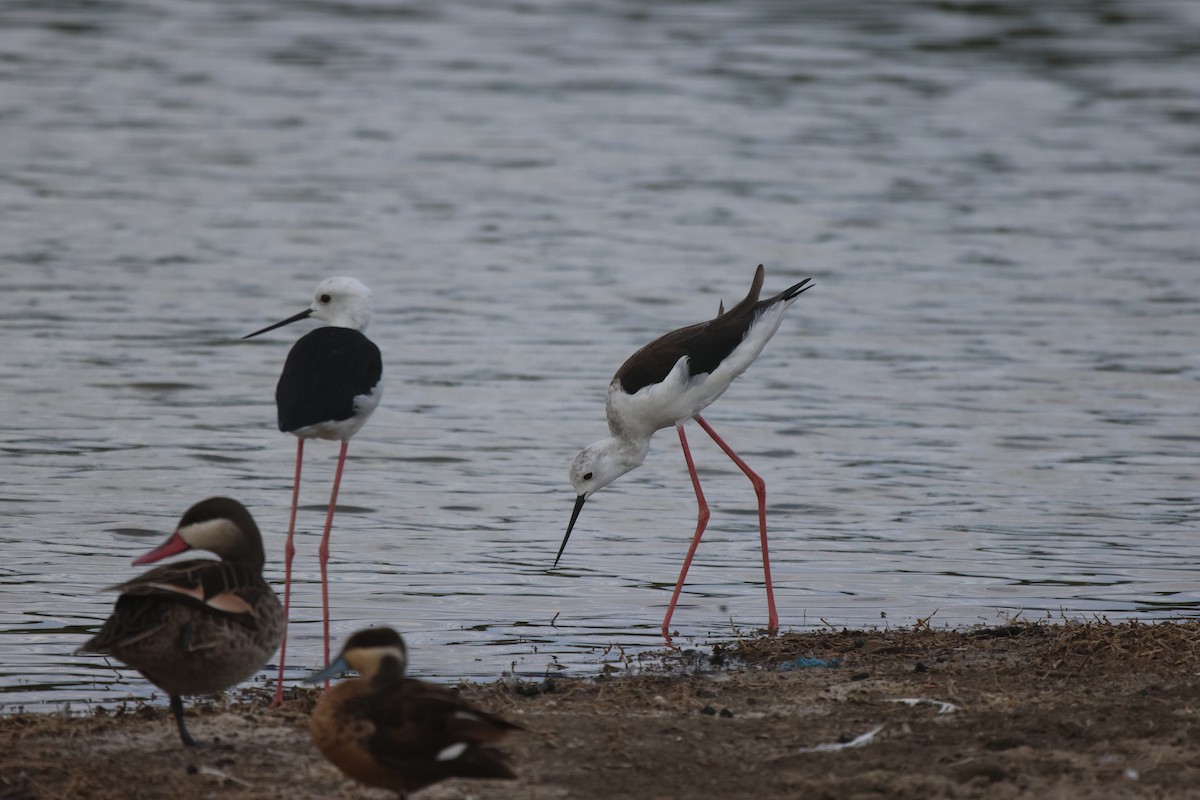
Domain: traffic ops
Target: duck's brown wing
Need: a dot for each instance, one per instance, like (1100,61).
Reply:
(426,732)
(221,586)
(151,601)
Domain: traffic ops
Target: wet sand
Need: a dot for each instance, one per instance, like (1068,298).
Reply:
(1029,710)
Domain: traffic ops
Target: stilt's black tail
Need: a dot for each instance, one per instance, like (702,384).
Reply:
(789,293)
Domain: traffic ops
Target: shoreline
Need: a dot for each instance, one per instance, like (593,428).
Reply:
(1072,710)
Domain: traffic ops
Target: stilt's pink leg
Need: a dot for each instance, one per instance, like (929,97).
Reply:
(701,521)
(323,552)
(289,550)
(760,489)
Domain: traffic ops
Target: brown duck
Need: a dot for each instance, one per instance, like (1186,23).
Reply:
(399,733)
(197,626)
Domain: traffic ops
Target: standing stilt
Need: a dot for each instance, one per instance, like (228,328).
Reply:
(331,383)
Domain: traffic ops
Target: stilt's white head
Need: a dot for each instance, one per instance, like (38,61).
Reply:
(601,463)
(343,303)
(598,465)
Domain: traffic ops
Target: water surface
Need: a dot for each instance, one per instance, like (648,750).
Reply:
(985,409)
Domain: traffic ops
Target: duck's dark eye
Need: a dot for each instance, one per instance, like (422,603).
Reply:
(587,476)
(325,298)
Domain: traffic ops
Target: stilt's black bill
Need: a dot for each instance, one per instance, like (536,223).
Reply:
(579,501)
(302,315)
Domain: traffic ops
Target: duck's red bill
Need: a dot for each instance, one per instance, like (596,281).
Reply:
(175,544)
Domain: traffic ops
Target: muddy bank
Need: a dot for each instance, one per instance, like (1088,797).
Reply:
(1048,711)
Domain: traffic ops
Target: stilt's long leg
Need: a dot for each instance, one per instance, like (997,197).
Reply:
(323,552)
(760,489)
(289,551)
(701,522)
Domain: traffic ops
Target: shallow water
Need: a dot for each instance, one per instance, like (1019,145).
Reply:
(985,408)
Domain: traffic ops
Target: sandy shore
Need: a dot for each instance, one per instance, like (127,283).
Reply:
(1041,711)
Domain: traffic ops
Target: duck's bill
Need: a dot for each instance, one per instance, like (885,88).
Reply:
(332,671)
(579,501)
(305,314)
(175,544)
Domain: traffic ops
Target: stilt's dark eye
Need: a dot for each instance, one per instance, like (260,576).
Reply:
(325,298)
(587,476)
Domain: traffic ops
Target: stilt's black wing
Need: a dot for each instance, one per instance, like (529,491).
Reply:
(325,370)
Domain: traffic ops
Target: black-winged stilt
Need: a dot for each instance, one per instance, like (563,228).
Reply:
(331,383)
(670,381)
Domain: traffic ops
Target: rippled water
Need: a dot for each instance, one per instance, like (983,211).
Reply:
(986,407)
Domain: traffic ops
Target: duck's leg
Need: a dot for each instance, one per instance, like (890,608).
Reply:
(289,550)
(323,552)
(177,710)
(701,522)
(760,489)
